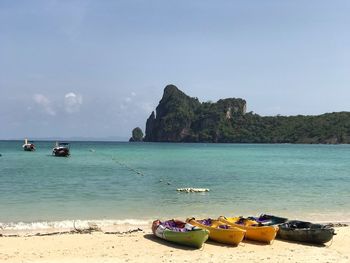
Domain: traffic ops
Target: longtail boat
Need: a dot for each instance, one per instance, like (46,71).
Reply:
(28,146)
(61,149)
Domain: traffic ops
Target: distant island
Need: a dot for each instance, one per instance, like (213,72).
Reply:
(181,118)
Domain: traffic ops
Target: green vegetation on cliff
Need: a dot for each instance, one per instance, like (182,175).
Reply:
(180,118)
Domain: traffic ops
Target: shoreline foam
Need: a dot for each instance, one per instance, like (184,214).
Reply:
(108,225)
(104,225)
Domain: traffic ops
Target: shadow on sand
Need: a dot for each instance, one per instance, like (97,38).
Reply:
(174,245)
(218,244)
(155,239)
(167,243)
(256,243)
(305,243)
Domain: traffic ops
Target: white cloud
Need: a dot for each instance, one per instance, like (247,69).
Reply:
(147,107)
(45,103)
(130,98)
(72,102)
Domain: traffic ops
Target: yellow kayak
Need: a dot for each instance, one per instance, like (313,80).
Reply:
(219,231)
(254,232)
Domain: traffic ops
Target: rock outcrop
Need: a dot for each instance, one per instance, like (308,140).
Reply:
(137,135)
(180,118)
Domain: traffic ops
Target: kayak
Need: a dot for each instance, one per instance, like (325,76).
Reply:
(305,232)
(269,220)
(254,231)
(219,231)
(180,232)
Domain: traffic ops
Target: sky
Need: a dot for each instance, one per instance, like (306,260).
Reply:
(97,69)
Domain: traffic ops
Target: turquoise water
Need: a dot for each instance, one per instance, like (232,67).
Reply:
(109,180)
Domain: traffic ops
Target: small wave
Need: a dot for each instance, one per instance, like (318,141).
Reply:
(70,224)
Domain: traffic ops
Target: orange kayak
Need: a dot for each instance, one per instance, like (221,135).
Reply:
(253,231)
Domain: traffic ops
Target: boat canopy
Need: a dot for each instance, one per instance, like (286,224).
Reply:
(62,144)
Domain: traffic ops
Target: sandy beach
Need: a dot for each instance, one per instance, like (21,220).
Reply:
(142,246)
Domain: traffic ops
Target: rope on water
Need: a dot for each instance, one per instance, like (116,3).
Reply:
(128,167)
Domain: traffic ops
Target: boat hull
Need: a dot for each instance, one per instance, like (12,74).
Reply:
(269,220)
(312,233)
(61,152)
(29,147)
(193,238)
(231,236)
(263,234)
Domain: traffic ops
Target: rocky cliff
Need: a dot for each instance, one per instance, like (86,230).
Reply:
(137,135)
(180,118)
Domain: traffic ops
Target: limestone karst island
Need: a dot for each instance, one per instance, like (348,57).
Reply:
(181,118)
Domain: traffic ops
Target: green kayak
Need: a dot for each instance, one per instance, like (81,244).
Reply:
(180,232)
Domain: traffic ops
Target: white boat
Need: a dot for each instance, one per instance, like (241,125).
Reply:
(61,149)
(28,146)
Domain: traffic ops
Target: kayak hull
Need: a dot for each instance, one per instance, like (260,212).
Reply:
(231,236)
(307,232)
(263,234)
(192,238)
(269,220)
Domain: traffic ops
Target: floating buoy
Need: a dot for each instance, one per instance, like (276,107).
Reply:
(128,167)
(192,190)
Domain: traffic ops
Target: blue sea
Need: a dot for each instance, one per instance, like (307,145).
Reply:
(136,182)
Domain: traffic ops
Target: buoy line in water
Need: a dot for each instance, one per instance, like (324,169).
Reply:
(128,167)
